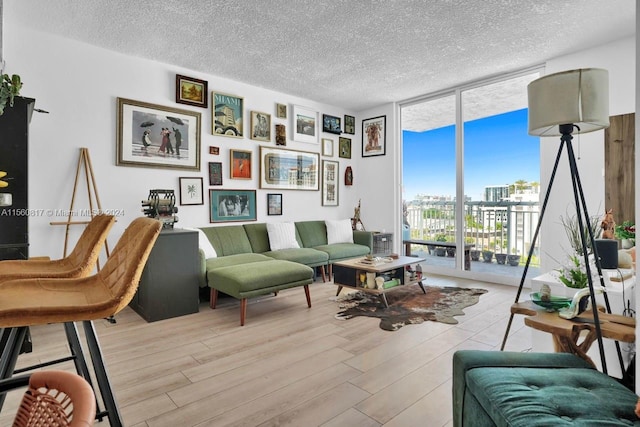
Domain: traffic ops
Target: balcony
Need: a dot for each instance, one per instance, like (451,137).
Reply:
(504,227)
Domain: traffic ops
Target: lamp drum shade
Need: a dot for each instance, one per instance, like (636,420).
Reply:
(579,97)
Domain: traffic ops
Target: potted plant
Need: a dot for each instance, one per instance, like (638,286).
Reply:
(9,89)
(626,233)
(513,259)
(441,251)
(475,254)
(487,255)
(501,258)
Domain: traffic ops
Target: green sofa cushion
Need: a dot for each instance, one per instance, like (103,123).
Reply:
(228,240)
(312,233)
(532,397)
(253,279)
(339,251)
(306,256)
(229,260)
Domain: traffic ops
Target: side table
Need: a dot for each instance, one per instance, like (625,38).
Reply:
(169,283)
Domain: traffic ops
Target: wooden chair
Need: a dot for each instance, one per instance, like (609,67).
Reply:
(56,398)
(28,302)
(80,262)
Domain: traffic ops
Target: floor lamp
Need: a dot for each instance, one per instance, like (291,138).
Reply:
(559,104)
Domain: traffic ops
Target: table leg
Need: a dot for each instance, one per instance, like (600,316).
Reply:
(407,249)
(384,300)
(570,344)
(467,259)
(339,289)
(422,286)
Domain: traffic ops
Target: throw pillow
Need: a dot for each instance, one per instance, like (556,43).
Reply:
(204,244)
(282,235)
(339,231)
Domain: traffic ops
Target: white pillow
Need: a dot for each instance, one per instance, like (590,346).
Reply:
(339,231)
(204,244)
(282,235)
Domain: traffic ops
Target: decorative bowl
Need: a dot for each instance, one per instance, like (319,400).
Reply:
(554,303)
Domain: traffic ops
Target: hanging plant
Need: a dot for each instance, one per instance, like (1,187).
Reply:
(9,89)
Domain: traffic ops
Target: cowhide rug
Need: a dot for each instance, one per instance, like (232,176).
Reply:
(408,305)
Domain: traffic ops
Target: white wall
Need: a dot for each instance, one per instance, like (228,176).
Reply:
(79,84)
(619,59)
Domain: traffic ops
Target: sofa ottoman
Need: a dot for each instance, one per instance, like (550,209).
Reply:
(492,388)
(252,279)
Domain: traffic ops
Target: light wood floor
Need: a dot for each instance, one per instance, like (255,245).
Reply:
(289,365)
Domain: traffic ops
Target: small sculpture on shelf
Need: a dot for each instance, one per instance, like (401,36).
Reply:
(161,205)
(356,221)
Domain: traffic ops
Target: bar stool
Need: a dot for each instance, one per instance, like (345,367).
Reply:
(29,302)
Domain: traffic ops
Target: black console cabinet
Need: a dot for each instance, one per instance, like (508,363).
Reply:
(14,156)
(169,283)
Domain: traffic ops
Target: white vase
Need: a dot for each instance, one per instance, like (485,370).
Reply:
(627,243)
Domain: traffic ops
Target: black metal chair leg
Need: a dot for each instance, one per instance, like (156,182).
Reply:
(13,343)
(100,370)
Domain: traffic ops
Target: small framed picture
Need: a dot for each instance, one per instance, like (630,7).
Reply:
(191,91)
(240,164)
(260,126)
(227,115)
(232,205)
(374,136)
(274,204)
(331,124)
(349,125)
(344,148)
(281,134)
(281,111)
(305,124)
(191,191)
(327,147)
(215,173)
(330,182)
(214,150)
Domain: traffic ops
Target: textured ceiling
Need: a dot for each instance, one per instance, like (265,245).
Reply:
(355,54)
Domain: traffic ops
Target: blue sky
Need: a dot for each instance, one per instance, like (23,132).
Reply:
(498,151)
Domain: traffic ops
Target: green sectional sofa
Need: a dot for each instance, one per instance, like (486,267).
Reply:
(245,265)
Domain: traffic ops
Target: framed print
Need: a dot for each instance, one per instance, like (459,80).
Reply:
(327,147)
(215,173)
(232,205)
(240,164)
(191,91)
(349,125)
(150,135)
(281,135)
(281,111)
(331,124)
(214,150)
(374,136)
(274,204)
(344,148)
(260,126)
(305,124)
(227,113)
(288,169)
(330,183)
(191,191)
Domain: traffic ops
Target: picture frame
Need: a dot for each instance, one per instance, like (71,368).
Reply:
(374,140)
(349,124)
(281,134)
(274,204)
(232,205)
(141,131)
(241,164)
(215,173)
(214,150)
(227,115)
(331,124)
(192,91)
(327,147)
(344,147)
(330,182)
(191,191)
(305,124)
(281,111)
(260,126)
(281,168)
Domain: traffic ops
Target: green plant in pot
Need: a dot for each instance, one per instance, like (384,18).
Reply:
(513,259)
(9,88)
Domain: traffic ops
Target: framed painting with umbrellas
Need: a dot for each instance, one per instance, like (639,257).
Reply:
(150,135)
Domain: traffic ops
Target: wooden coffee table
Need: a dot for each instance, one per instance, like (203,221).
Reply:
(566,333)
(346,274)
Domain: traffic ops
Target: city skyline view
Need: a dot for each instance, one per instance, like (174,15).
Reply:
(498,151)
